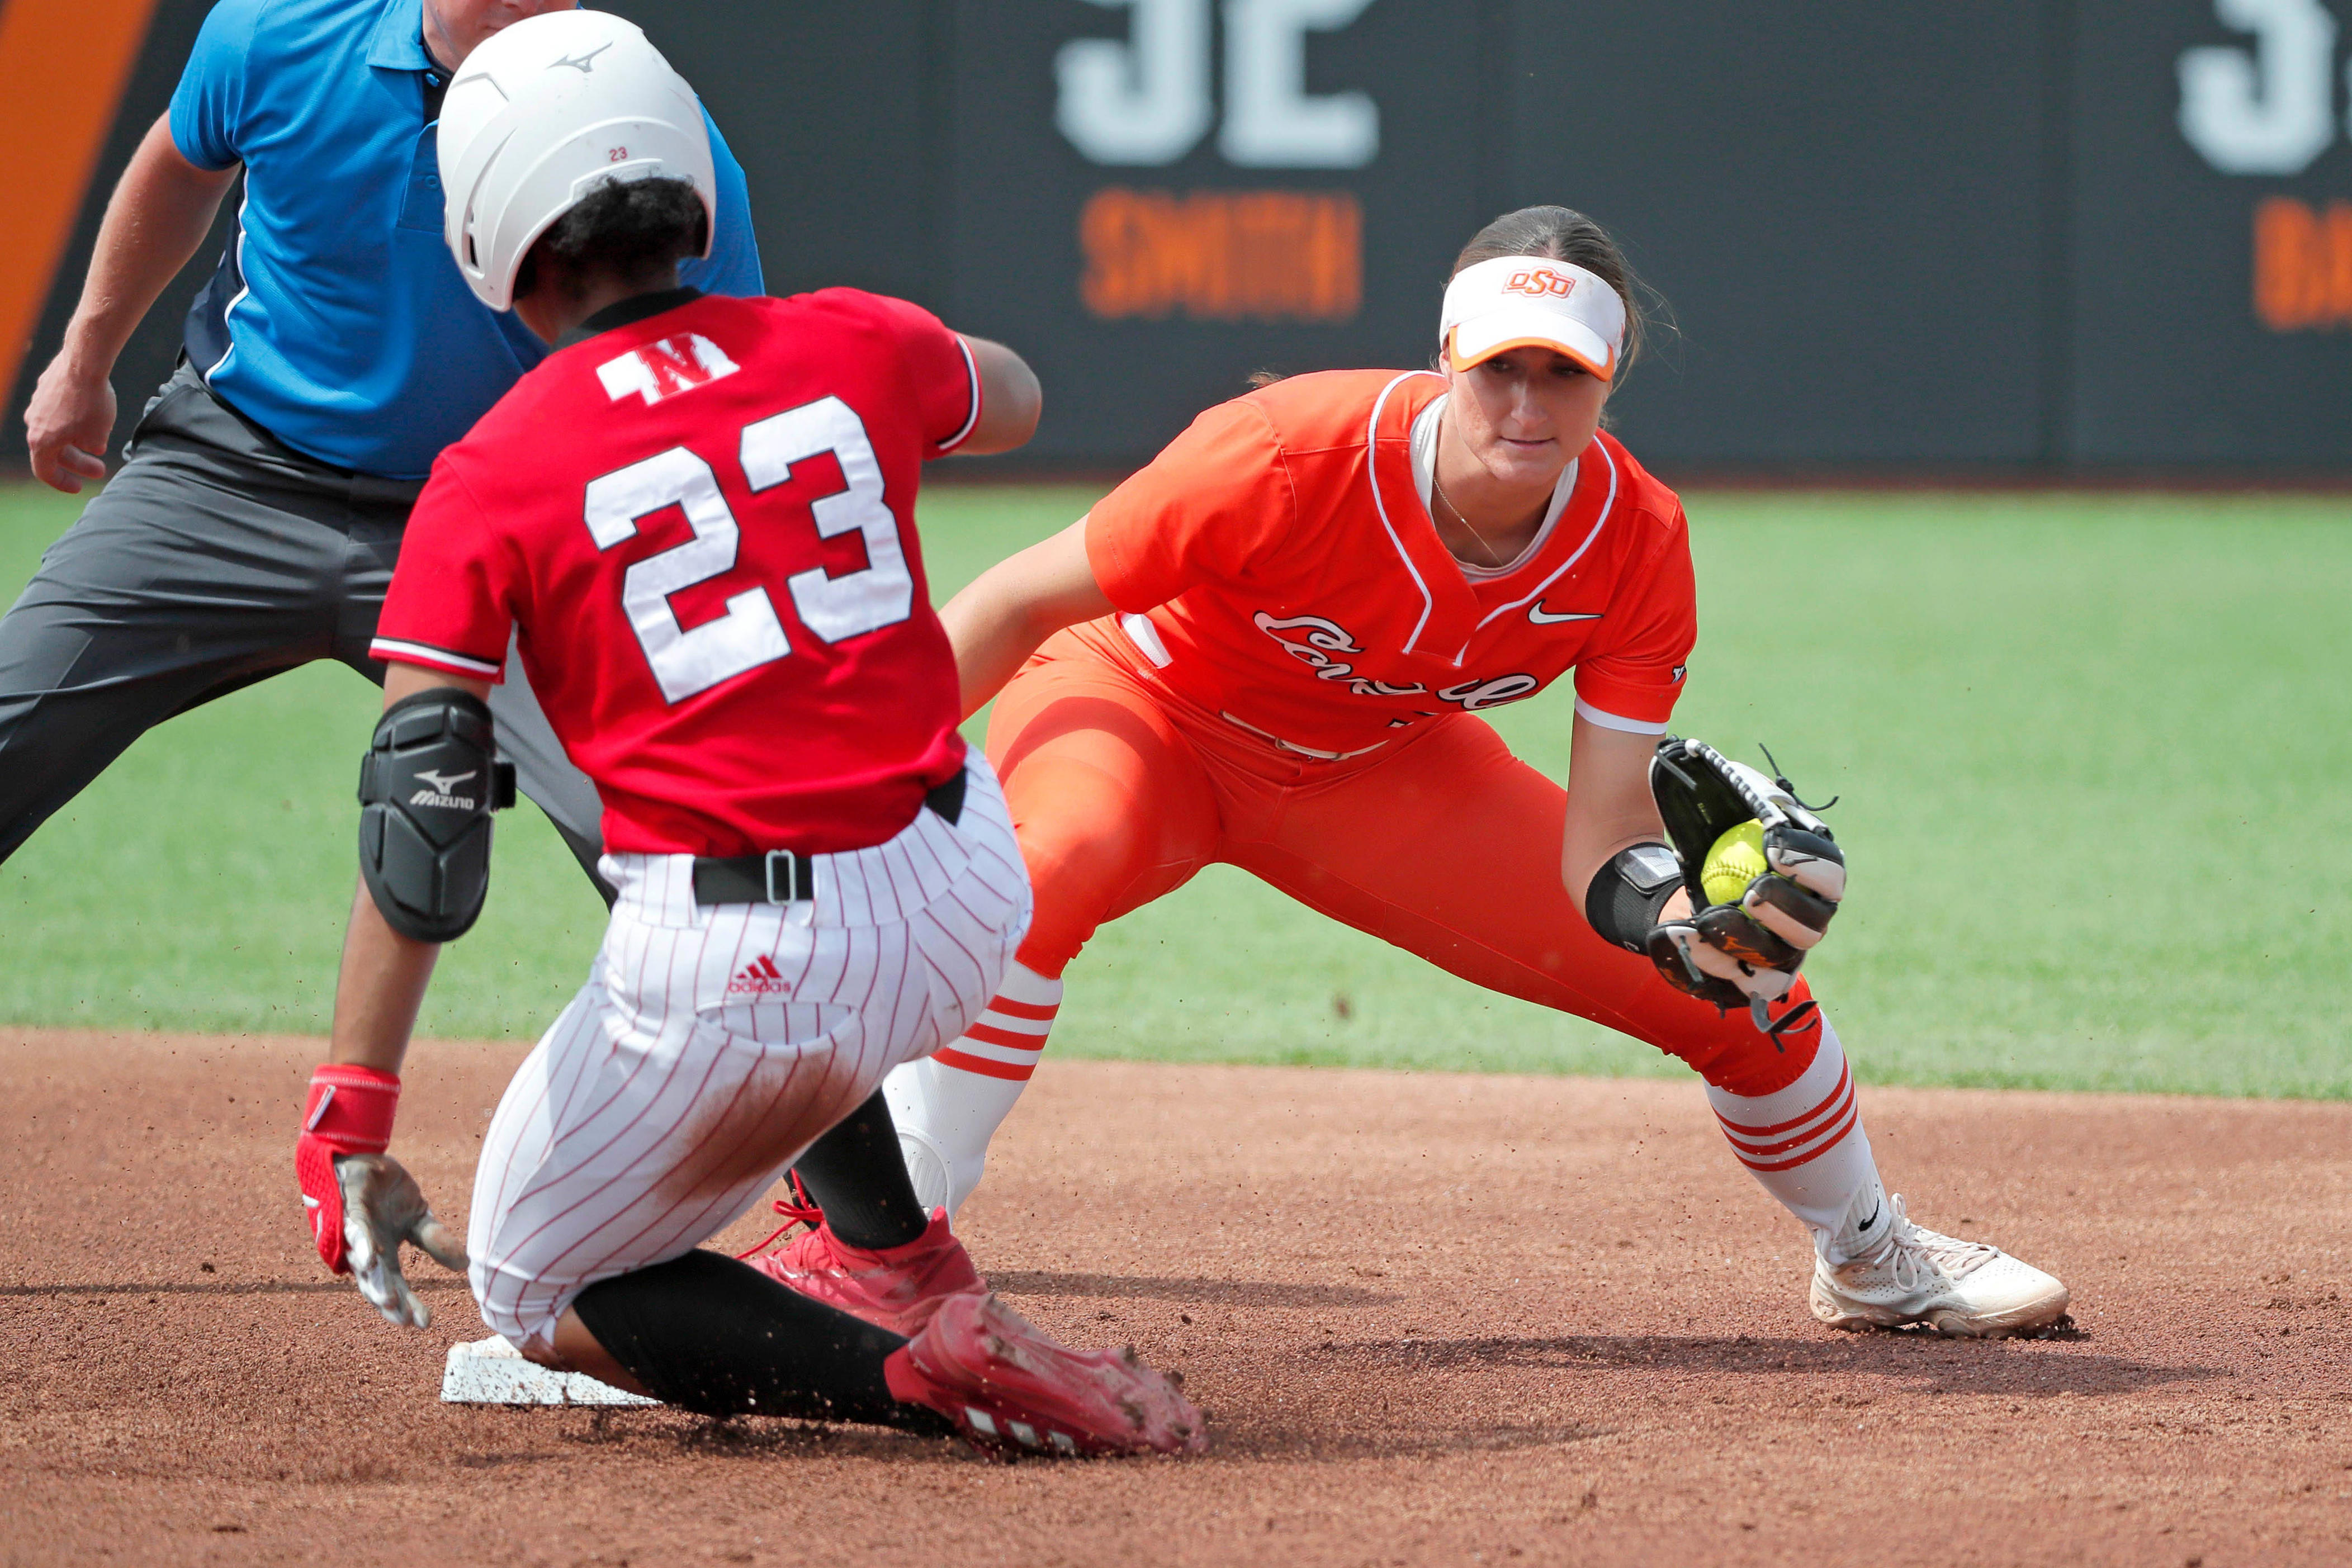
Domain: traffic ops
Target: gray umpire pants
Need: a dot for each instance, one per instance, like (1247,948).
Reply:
(217,557)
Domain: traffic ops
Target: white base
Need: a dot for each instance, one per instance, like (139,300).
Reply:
(492,1372)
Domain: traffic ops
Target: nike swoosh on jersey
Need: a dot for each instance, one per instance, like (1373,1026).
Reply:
(1542,617)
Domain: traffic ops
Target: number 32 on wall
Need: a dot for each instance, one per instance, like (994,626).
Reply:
(2270,110)
(1146,102)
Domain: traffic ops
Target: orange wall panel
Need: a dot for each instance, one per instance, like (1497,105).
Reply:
(63,64)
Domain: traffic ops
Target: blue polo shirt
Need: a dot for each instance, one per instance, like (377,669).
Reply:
(337,320)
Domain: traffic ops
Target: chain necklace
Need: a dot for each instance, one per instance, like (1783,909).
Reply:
(1494,556)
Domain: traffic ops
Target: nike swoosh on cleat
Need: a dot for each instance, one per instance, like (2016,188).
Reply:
(1542,617)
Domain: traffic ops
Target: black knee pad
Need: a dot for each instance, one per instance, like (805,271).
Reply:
(427,786)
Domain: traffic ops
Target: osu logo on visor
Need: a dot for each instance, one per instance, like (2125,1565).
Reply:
(1541,282)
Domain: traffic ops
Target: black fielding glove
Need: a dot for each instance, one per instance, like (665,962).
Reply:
(1746,952)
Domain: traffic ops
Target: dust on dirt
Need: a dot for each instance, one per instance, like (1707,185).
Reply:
(1433,1319)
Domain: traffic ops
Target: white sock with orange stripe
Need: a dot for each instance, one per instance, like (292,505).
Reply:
(949,1105)
(1806,1145)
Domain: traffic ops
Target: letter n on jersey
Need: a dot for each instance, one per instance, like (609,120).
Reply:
(665,369)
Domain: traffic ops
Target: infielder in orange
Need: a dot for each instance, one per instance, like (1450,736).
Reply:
(1271,648)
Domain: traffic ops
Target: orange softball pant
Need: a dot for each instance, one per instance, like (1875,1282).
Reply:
(1442,844)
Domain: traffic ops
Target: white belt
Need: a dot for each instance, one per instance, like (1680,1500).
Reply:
(1292,746)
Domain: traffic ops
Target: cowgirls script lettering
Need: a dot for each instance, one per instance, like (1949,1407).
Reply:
(1320,638)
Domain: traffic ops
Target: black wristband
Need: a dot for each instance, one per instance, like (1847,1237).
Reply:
(1627,893)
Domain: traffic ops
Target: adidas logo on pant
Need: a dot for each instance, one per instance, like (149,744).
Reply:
(760,978)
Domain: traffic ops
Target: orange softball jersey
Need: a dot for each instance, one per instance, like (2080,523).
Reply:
(1276,566)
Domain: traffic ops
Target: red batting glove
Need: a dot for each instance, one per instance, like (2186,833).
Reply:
(349,1113)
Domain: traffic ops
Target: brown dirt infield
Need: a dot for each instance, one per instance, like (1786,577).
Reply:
(1433,1319)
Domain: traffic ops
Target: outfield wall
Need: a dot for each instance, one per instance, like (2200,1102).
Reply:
(2017,235)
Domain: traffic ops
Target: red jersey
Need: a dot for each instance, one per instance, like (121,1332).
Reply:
(701,525)
(1277,565)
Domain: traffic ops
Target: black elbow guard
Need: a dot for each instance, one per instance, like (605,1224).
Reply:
(1627,893)
(428,787)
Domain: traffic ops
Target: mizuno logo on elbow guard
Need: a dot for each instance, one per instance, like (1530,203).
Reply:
(439,795)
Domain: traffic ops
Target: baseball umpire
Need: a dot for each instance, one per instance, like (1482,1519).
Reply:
(259,509)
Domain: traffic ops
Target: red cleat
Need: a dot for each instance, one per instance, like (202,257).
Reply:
(1010,1389)
(897,1288)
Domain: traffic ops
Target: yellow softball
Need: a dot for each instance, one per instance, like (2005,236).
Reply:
(1733,862)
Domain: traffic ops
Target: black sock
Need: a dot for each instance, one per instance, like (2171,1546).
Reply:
(709,1334)
(858,1177)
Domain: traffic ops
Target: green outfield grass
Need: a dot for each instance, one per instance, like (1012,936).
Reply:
(2092,751)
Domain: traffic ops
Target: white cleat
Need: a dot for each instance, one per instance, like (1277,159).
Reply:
(1964,1290)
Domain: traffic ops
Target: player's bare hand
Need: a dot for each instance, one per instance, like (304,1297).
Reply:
(384,1206)
(67,424)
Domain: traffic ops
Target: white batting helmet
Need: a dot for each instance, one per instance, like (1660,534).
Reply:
(542,112)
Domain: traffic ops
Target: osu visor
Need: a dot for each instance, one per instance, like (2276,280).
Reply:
(1532,301)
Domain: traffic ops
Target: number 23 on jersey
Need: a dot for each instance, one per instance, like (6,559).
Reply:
(686,661)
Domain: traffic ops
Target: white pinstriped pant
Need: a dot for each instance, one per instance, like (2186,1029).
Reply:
(712,1044)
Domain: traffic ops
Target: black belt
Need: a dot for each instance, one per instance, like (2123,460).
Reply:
(786,876)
